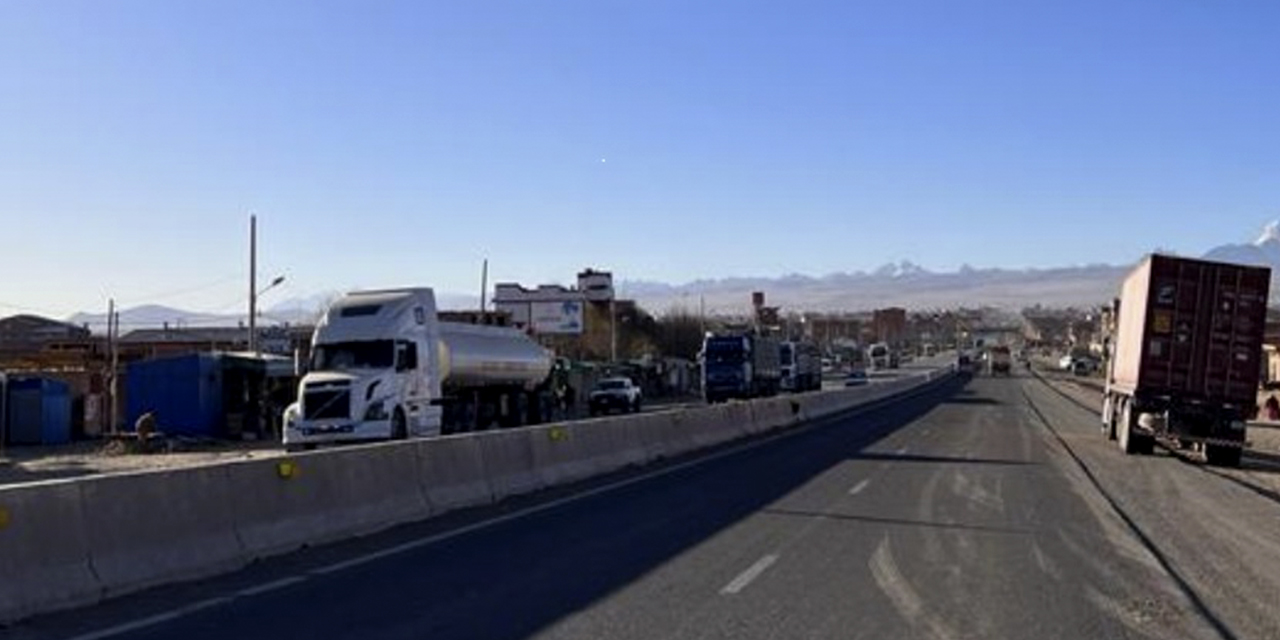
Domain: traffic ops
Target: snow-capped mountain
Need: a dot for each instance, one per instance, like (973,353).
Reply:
(1265,251)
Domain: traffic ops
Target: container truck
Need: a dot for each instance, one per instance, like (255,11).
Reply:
(1186,356)
(384,366)
(801,366)
(739,366)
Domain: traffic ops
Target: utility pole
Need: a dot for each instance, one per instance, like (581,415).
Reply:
(253,284)
(484,288)
(113,363)
(613,332)
(702,313)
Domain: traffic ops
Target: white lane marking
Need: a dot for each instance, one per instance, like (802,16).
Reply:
(152,621)
(902,451)
(270,586)
(857,488)
(746,577)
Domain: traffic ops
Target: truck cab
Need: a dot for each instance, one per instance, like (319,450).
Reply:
(370,375)
(726,368)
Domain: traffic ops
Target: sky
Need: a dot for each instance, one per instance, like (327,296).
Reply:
(386,144)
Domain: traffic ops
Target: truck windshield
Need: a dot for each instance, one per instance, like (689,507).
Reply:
(365,354)
(723,352)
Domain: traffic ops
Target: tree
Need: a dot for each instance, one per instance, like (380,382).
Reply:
(678,334)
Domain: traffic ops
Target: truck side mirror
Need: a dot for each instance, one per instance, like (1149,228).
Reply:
(406,356)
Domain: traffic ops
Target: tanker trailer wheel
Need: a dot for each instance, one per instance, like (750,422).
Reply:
(399,426)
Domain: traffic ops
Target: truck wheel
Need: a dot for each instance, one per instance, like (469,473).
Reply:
(399,426)
(1220,456)
(1109,418)
(1128,441)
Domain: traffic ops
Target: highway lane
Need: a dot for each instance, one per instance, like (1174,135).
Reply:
(962,514)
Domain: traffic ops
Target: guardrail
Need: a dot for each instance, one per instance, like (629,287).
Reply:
(68,543)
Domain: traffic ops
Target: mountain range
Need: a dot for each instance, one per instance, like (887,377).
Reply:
(906,284)
(903,284)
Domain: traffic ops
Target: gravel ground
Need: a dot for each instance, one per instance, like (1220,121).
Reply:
(30,464)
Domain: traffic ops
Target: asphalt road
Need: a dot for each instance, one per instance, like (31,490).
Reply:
(992,509)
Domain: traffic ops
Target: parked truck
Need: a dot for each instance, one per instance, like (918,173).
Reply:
(1185,356)
(384,366)
(801,366)
(740,366)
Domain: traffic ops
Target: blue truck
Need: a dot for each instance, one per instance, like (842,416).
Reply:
(740,366)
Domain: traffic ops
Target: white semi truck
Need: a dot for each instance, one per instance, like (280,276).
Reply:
(384,366)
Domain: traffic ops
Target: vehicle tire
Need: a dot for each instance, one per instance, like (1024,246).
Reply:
(399,425)
(1129,441)
(1220,456)
(1109,418)
(635,407)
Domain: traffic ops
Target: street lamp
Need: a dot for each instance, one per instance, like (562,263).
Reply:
(253,306)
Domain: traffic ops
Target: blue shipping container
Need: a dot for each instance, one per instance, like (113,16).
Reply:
(184,393)
(38,411)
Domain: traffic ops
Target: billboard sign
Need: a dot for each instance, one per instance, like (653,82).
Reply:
(564,317)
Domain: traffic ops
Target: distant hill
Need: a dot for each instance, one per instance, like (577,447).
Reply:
(300,310)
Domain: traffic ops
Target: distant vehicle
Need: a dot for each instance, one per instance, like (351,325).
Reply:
(1066,363)
(614,393)
(1084,366)
(801,366)
(739,366)
(1186,356)
(930,350)
(856,378)
(384,366)
(1000,361)
(964,362)
(879,356)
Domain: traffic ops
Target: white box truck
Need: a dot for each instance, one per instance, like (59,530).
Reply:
(384,366)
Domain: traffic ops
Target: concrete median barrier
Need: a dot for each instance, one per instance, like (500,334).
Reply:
(155,527)
(509,462)
(71,542)
(774,413)
(452,474)
(44,550)
(716,424)
(565,453)
(285,503)
(660,435)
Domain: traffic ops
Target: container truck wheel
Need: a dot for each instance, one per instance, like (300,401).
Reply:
(1221,456)
(399,426)
(1126,438)
(1109,418)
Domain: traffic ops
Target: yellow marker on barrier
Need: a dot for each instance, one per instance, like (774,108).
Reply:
(4,517)
(558,434)
(287,469)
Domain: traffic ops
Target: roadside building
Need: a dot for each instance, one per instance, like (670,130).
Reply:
(582,322)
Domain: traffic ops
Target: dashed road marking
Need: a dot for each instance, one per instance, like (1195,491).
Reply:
(746,577)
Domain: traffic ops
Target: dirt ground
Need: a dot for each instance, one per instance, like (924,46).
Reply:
(31,464)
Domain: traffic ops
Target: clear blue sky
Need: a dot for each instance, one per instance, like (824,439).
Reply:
(386,144)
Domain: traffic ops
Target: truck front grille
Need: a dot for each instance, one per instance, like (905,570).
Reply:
(327,404)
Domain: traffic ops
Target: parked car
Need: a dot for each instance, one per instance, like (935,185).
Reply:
(1084,366)
(614,393)
(1066,363)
